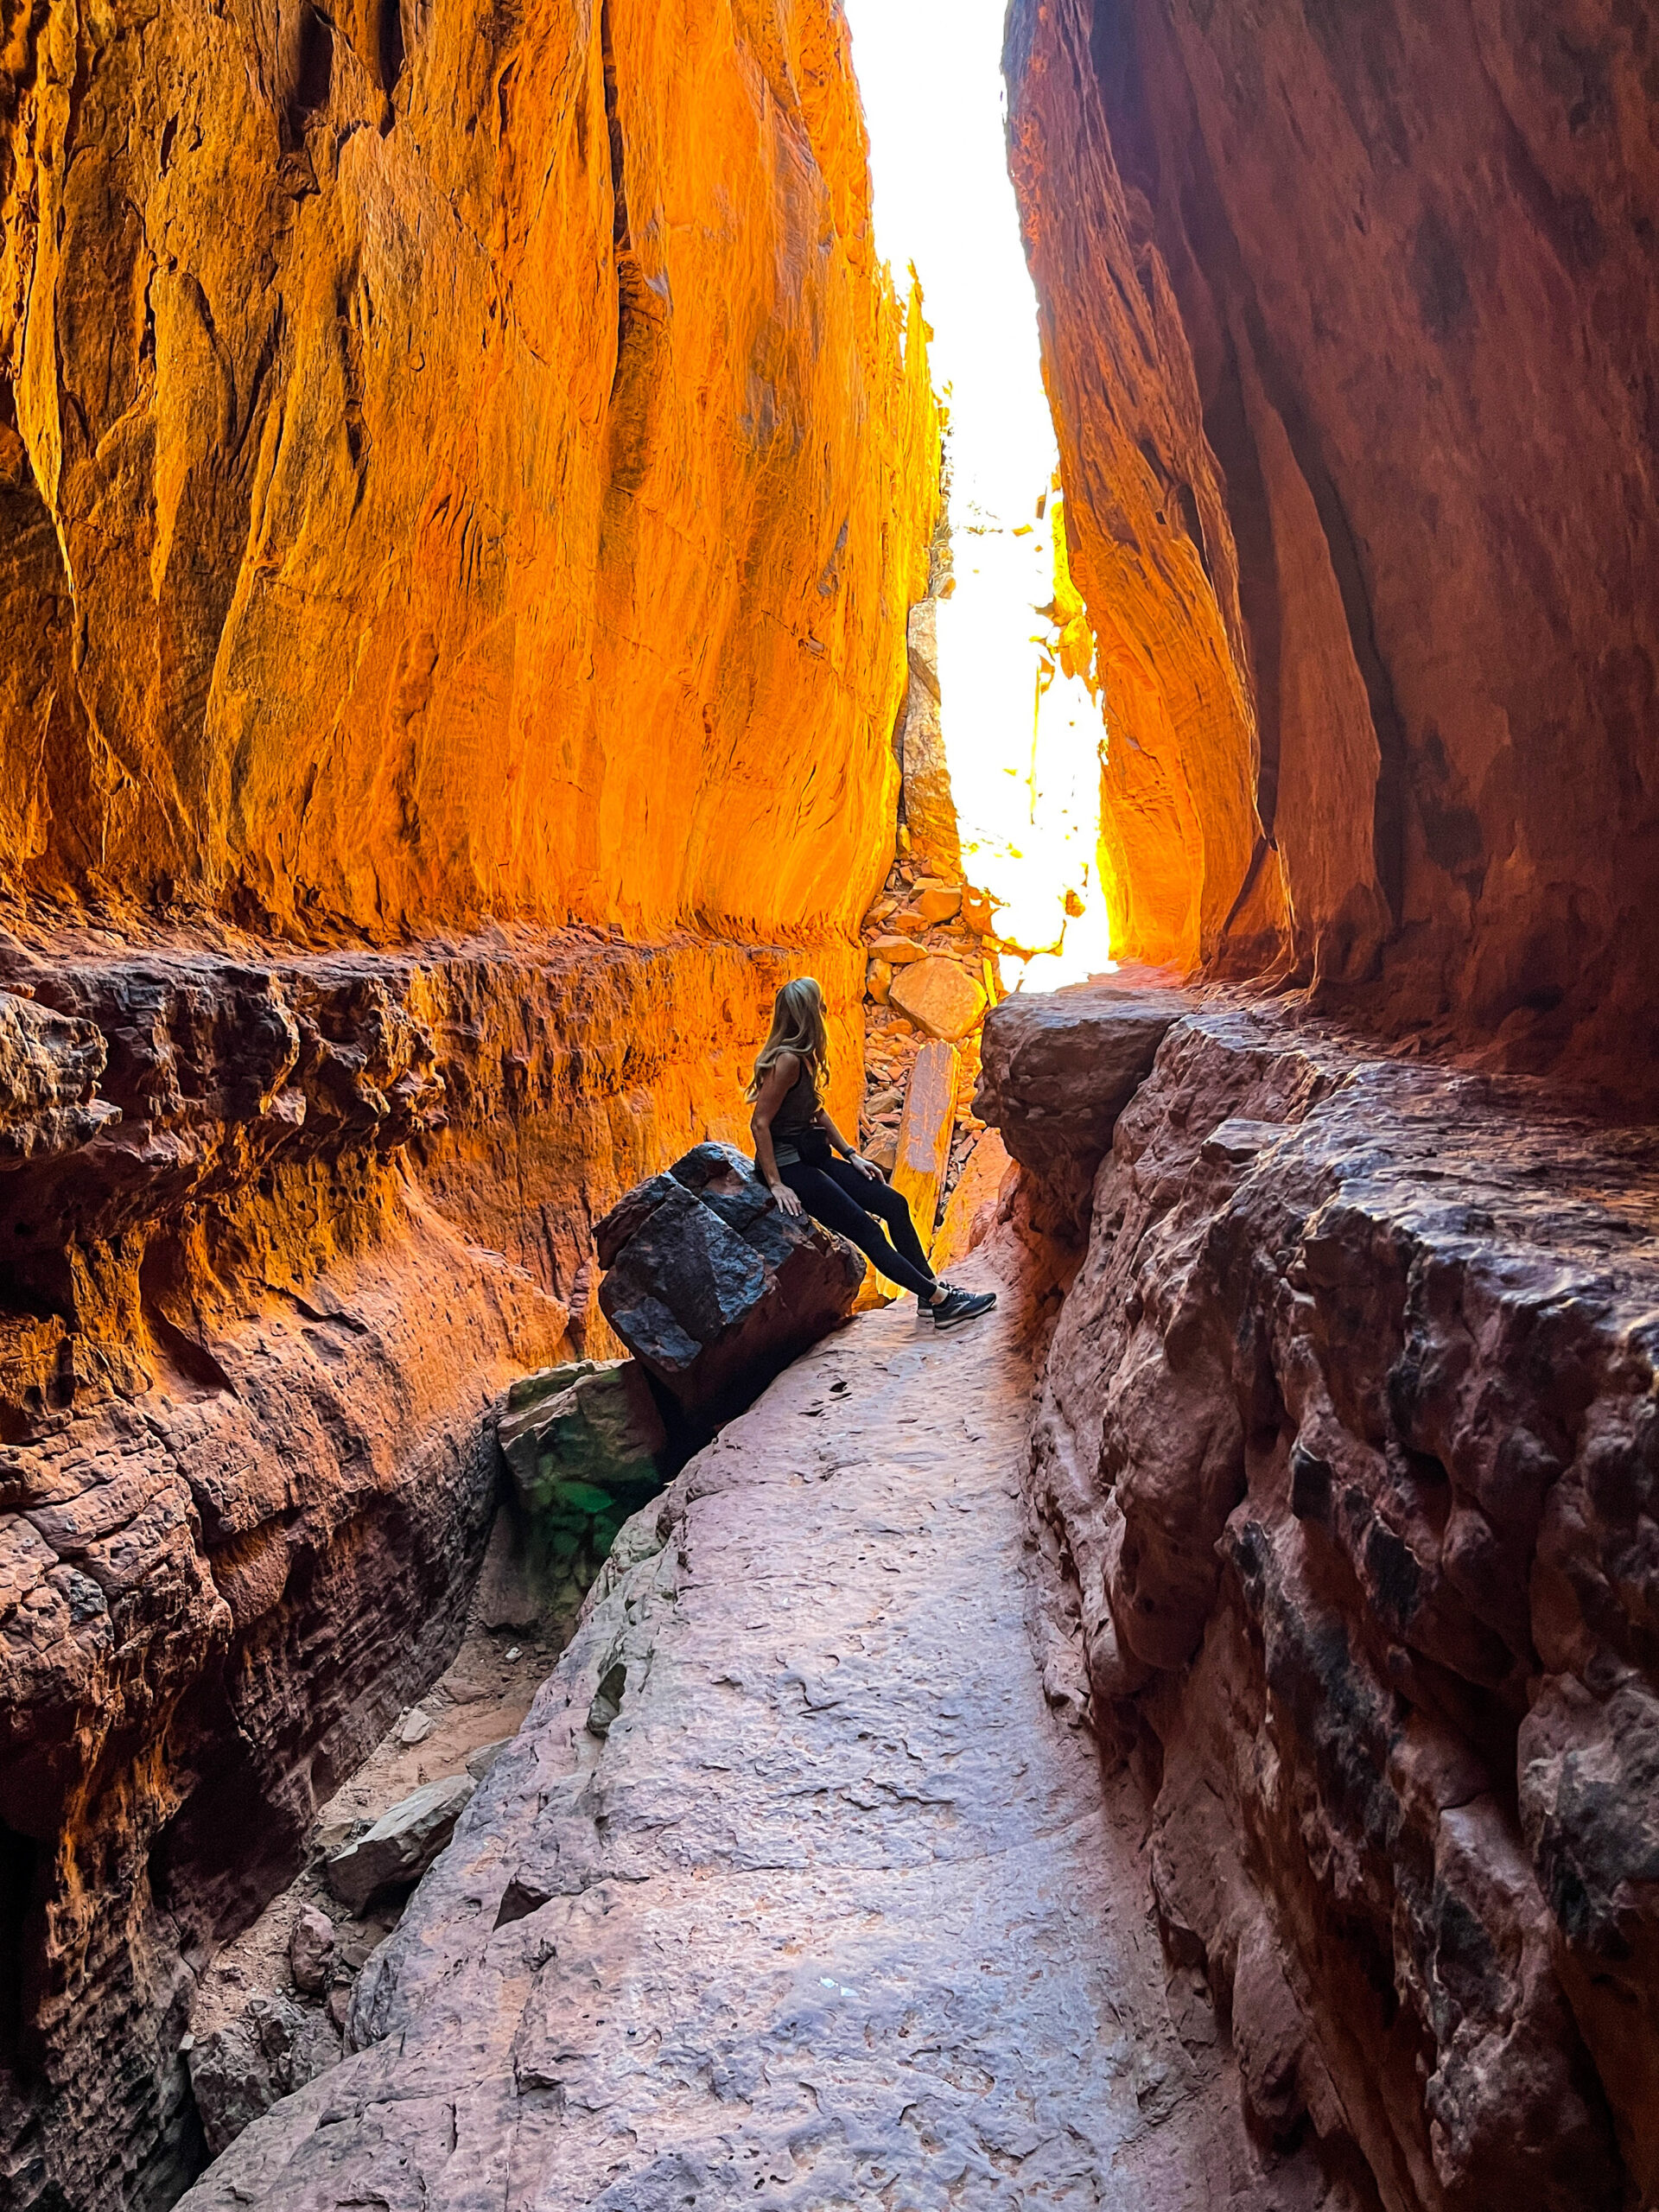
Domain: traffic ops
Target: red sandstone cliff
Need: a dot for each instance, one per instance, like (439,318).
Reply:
(463,478)
(1345,1440)
(1345,1434)
(456,463)
(1349,319)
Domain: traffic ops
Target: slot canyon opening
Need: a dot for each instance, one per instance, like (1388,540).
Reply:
(1006,634)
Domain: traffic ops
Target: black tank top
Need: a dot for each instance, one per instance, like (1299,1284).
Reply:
(800,1107)
(794,1134)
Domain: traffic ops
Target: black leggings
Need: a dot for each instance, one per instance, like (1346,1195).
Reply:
(844,1198)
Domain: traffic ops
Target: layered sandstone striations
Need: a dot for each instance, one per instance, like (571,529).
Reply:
(454,462)
(1347,1434)
(1348,318)
(463,478)
(285,1232)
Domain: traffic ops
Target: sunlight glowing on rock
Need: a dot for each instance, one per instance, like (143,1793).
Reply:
(1021,735)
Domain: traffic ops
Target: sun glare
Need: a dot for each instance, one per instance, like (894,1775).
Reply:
(1022,736)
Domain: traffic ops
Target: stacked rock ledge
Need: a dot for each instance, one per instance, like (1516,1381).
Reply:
(1347,1442)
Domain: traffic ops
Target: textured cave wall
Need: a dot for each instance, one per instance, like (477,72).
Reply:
(463,479)
(1348,1438)
(277,1235)
(1349,317)
(456,460)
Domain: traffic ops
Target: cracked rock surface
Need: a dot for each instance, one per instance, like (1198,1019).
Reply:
(1349,1430)
(835,1912)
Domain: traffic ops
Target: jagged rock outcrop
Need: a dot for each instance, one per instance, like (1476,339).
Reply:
(586,1446)
(1349,317)
(713,1287)
(242,2068)
(397,1850)
(589,1423)
(1347,1432)
(1056,1071)
(456,624)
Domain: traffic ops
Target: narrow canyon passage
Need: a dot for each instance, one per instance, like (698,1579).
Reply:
(495,583)
(837,1912)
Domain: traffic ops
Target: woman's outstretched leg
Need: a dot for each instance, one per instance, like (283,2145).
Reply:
(888,1205)
(830,1202)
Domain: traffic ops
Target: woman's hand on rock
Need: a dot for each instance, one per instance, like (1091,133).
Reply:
(787,1201)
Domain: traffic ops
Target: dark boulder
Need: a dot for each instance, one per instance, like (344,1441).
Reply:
(586,1446)
(712,1286)
(1057,1070)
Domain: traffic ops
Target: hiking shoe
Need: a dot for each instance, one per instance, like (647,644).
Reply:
(961,1305)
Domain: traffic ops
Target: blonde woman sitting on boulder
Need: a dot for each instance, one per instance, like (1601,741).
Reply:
(809,1167)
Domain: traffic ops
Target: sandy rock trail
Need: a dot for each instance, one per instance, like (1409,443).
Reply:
(836,1914)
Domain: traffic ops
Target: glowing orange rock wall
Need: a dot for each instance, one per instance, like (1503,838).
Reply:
(463,481)
(1348,318)
(454,461)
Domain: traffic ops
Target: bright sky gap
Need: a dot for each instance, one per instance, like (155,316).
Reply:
(1024,767)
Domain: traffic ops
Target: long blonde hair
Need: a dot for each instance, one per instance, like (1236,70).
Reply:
(798,1026)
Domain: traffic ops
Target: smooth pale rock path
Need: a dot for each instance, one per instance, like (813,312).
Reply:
(836,1914)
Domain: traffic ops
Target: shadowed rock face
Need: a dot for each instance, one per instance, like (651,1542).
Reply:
(1347,1430)
(1349,317)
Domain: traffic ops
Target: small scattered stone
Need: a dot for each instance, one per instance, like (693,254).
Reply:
(402,1844)
(310,1950)
(480,1761)
(938,902)
(882,1150)
(333,1835)
(340,2004)
(939,998)
(416,1726)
